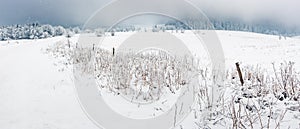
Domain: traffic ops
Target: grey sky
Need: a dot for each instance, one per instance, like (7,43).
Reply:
(64,12)
(76,12)
(284,11)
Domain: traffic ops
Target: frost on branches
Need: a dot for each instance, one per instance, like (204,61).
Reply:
(34,31)
(145,76)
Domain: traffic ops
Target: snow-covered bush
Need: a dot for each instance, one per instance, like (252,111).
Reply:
(145,75)
(59,30)
(264,101)
(34,31)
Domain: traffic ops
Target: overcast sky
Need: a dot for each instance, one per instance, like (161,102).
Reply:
(76,12)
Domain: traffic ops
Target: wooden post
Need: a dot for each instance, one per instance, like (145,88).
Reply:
(69,44)
(93,47)
(113,51)
(240,73)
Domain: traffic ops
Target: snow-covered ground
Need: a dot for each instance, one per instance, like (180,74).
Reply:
(33,93)
(261,49)
(36,94)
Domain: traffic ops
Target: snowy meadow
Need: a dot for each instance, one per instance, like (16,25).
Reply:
(261,85)
(261,82)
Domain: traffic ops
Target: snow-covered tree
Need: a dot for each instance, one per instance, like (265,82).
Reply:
(34,31)
(76,30)
(69,33)
(59,31)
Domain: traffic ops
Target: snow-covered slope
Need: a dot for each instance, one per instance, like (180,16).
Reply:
(35,95)
(261,49)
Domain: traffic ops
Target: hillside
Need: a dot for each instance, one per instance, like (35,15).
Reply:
(37,90)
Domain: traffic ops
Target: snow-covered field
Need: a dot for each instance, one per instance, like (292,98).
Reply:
(37,91)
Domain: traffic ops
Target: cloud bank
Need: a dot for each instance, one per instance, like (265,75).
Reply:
(76,12)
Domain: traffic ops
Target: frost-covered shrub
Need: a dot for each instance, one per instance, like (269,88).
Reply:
(59,30)
(34,31)
(145,75)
